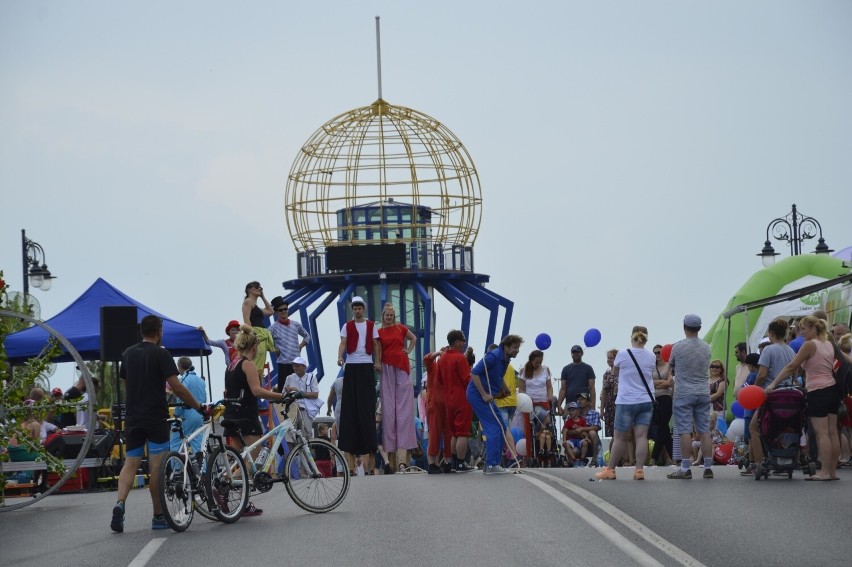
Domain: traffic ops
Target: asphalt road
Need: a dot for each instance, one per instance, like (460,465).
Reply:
(542,517)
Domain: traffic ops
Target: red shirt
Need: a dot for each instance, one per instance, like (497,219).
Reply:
(392,340)
(434,385)
(455,373)
(572,424)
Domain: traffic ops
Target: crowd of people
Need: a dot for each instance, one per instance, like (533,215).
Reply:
(469,416)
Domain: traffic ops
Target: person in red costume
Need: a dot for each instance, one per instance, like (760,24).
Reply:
(455,371)
(436,416)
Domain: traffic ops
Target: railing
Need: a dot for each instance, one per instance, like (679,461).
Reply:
(421,256)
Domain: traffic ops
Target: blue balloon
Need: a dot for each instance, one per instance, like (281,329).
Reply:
(517,434)
(592,337)
(737,410)
(542,341)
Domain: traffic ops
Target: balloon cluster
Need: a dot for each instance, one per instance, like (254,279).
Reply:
(590,339)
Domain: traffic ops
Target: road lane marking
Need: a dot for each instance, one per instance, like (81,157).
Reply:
(630,549)
(647,534)
(147,552)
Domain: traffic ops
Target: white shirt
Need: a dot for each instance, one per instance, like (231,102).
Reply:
(360,355)
(631,388)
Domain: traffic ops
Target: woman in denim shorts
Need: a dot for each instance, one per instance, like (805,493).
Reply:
(634,404)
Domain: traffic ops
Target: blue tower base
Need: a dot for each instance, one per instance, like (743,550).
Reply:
(408,291)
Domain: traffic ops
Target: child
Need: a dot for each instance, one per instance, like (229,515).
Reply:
(751,360)
(575,441)
(543,433)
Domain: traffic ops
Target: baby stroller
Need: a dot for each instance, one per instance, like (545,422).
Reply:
(544,454)
(781,422)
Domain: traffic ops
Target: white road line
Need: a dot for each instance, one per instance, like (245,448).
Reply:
(625,545)
(633,525)
(147,552)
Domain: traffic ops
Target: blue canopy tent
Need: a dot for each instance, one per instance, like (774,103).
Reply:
(80,323)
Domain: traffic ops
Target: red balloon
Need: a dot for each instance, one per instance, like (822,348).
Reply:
(751,397)
(666,352)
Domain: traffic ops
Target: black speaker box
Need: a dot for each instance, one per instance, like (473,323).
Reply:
(366,258)
(102,443)
(119,331)
(64,446)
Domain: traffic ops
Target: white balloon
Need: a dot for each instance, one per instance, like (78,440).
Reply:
(521,447)
(736,429)
(524,404)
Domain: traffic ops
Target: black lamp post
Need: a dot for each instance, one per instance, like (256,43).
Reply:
(34,264)
(792,229)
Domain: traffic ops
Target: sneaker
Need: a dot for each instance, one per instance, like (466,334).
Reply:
(434,469)
(748,471)
(159,523)
(495,469)
(252,510)
(117,523)
(639,475)
(680,474)
(463,468)
(708,473)
(605,474)
(447,467)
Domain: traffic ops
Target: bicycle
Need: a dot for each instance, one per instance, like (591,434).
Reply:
(315,473)
(214,483)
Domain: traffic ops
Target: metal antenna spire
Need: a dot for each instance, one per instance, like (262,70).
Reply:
(379,54)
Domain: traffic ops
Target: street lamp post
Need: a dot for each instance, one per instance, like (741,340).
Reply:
(793,229)
(34,265)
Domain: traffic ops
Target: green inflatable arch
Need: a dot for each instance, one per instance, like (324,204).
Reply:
(763,284)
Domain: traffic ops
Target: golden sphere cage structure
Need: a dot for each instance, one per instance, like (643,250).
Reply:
(383,174)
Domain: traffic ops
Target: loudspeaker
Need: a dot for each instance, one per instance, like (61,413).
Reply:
(102,443)
(366,258)
(64,446)
(119,331)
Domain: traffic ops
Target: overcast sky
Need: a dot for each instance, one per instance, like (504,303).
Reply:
(631,154)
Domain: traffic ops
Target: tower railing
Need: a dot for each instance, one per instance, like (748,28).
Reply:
(421,257)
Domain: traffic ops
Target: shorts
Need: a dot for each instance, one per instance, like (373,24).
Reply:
(248,426)
(460,416)
(628,415)
(823,401)
(153,434)
(692,413)
(575,442)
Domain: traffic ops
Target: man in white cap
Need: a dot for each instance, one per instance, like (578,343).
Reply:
(689,361)
(359,343)
(302,381)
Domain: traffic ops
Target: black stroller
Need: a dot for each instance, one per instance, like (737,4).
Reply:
(781,422)
(542,419)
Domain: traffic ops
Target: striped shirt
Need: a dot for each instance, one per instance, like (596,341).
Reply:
(286,338)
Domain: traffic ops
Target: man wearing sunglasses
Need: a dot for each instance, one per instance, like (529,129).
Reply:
(285,334)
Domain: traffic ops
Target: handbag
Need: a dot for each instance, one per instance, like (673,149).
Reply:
(644,381)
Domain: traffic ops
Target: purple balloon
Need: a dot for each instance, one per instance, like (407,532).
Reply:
(592,337)
(542,341)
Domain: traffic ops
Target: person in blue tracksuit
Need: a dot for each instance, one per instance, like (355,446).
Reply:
(486,384)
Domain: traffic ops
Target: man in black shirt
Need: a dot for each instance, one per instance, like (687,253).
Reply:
(146,367)
(577,377)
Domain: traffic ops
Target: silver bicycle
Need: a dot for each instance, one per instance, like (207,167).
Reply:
(315,473)
(211,481)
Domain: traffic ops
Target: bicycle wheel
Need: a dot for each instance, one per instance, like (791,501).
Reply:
(317,478)
(176,492)
(227,483)
(201,498)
